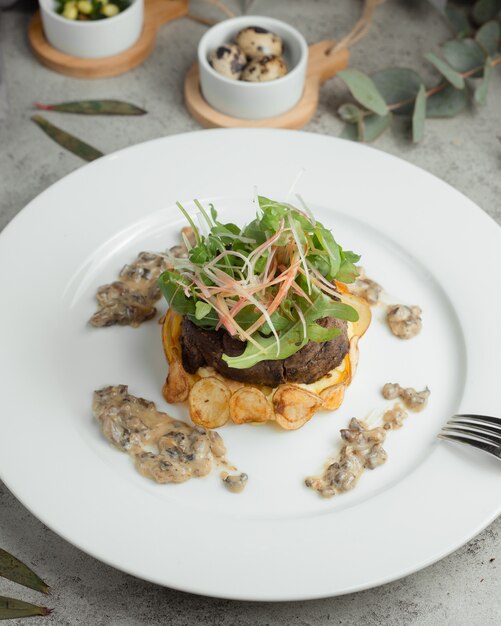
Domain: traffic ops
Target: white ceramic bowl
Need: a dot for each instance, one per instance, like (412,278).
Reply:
(92,39)
(253,101)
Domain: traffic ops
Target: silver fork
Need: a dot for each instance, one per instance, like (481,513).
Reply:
(480,431)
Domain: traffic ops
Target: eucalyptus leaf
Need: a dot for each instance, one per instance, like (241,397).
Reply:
(464,55)
(481,90)
(13,569)
(485,10)
(93,107)
(350,112)
(10,608)
(446,103)
(487,36)
(351,132)
(375,125)
(398,84)
(364,90)
(67,141)
(419,115)
(458,20)
(446,70)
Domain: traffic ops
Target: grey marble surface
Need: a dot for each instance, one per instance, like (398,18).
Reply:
(463,588)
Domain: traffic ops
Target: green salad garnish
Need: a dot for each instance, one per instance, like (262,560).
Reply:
(267,283)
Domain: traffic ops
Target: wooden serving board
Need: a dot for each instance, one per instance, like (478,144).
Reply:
(156,13)
(321,67)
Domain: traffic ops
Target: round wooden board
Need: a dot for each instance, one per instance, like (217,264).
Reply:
(321,66)
(156,13)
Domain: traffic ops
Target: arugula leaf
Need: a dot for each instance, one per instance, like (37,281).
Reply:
(293,339)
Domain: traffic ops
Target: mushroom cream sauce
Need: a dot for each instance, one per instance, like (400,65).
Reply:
(162,448)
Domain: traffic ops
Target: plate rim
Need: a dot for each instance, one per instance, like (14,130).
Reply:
(24,214)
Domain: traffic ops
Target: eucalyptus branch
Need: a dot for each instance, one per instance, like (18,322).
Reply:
(440,87)
(471,56)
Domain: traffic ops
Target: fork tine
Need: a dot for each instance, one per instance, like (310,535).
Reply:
(489,448)
(495,440)
(474,427)
(488,419)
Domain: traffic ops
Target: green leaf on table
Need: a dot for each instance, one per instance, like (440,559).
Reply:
(458,20)
(487,36)
(353,132)
(419,115)
(294,338)
(10,608)
(350,113)
(93,107)
(364,90)
(13,569)
(368,128)
(67,141)
(482,89)
(446,70)
(463,55)
(446,103)
(398,84)
(485,10)
(375,125)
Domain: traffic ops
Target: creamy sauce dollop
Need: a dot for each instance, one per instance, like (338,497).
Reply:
(163,449)
(414,400)
(362,449)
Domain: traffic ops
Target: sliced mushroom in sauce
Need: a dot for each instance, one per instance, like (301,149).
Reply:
(163,449)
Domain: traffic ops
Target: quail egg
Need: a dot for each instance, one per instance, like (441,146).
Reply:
(257,42)
(267,68)
(228,60)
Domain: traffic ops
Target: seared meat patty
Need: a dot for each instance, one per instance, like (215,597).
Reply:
(201,347)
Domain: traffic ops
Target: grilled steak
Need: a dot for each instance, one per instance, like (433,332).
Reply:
(206,347)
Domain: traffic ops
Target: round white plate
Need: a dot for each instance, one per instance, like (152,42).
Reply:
(426,243)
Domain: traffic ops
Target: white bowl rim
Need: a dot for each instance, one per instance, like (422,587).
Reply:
(244,19)
(48,5)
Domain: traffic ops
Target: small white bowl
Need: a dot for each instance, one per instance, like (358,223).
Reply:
(94,38)
(246,100)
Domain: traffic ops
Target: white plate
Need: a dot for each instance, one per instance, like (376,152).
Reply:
(424,241)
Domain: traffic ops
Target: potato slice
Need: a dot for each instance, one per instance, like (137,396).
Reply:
(294,406)
(177,385)
(209,401)
(333,396)
(248,404)
(364,313)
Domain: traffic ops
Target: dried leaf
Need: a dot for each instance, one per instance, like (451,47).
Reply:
(93,107)
(364,90)
(446,103)
(482,89)
(487,36)
(350,113)
(67,141)
(419,115)
(10,608)
(398,84)
(458,20)
(446,70)
(485,10)
(13,569)
(464,55)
